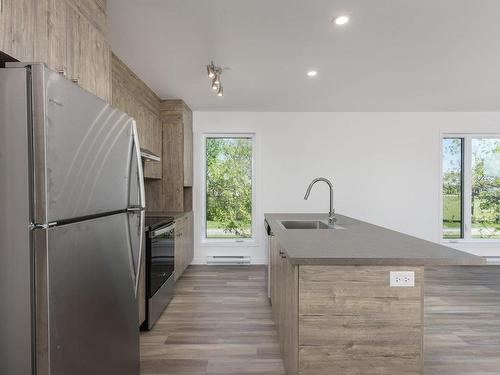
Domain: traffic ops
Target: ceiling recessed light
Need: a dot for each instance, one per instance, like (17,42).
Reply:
(341,20)
(312,73)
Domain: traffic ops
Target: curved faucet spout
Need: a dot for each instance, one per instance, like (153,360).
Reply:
(331,214)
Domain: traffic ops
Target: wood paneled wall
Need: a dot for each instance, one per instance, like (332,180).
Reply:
(134,97)
(68,35)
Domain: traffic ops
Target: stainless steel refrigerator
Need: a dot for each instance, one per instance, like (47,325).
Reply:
(71,231)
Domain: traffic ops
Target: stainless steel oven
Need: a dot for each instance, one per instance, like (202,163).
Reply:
(160,252)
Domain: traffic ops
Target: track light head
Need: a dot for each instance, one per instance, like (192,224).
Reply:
(215,85)
(220,92)
(211,70)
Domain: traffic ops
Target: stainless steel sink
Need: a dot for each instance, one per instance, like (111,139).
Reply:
(306,224)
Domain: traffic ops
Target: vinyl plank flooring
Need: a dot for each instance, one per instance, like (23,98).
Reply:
(220,322)
(462,321)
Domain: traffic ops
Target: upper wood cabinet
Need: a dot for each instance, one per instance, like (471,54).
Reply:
(177,120)
(70,36)
(188,148)
(88,53)
(132,96)
(17,28)
(175,192)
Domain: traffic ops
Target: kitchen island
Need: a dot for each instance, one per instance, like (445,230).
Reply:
(340,305)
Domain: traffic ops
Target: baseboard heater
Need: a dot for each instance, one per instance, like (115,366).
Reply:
(228,259)
(493,260)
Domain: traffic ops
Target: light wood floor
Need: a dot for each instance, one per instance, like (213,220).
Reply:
(220,322)
(462,321)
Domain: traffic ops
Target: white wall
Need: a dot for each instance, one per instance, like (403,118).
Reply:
(385,167)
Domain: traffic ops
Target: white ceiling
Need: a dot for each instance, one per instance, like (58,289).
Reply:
(394,55)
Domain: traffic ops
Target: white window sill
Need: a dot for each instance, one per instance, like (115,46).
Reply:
(485,242)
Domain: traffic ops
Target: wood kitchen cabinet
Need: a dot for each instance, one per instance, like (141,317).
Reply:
(177,123)
(17,28)
(284,299)
(88,54)
(177,119)
(347,316)
(184,250)
(173,192)
(132,96)
(69,36)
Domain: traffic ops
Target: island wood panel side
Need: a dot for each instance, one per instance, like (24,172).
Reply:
(284,298)
(290,317)
(352,322)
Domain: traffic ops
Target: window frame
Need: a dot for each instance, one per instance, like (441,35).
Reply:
(252,241)
(466,188)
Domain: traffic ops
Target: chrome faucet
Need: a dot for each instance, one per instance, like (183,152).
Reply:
(331,215)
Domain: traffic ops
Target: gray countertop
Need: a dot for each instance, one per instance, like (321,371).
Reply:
(360,243)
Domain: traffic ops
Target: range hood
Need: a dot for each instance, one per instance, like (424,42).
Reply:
(147,155)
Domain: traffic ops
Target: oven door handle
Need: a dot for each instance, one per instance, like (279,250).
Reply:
(161,231)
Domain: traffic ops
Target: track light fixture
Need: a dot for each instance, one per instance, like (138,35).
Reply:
(214,72)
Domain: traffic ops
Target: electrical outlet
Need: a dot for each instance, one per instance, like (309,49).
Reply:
(402,279)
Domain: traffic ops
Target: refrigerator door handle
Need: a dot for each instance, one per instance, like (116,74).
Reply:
(139,256)
(135,135)
(141,204)
(135,209)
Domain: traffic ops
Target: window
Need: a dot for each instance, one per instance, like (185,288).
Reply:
(471,187)
(229,187)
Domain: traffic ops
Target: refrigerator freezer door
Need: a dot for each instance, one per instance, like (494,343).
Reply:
(83,146)
(15,249)
(93,313)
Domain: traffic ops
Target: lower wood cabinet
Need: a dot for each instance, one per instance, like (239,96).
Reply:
(346,319)
(184,245)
